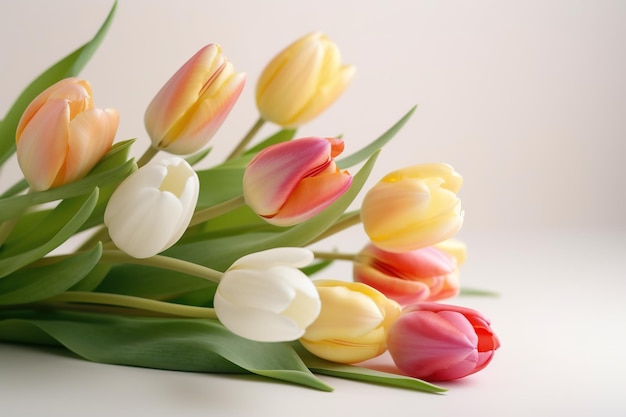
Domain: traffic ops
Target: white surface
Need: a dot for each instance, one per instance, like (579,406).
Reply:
(560,317)
(525,99)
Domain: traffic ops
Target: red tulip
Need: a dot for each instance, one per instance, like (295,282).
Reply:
(439,342)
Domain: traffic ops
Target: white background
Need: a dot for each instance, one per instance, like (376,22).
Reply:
(526,99)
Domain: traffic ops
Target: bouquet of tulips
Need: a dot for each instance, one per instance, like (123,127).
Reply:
(209,270)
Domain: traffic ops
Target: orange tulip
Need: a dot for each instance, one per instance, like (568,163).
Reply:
(413,208)
(61,136)
(292,181)
(193,104)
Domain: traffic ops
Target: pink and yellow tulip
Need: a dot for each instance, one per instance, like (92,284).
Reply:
(439,342)
(413,208)
(302,81)
(292,181)
(61,136)
(352,326)
(426,274)
(193,104)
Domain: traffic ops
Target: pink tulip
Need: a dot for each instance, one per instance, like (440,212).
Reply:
(193,104)
(290,182)
(426,274)
(439,342)
(61,136)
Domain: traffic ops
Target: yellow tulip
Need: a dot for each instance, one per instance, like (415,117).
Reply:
(302,81)
(413,208)
(353,324)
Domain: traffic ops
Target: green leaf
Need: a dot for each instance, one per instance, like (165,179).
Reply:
(477,292)
(198,156)
(69,66)
(51,232)
(324,367)
(163,343)
(377,144)
(17,205)
(33,284)
(281,136)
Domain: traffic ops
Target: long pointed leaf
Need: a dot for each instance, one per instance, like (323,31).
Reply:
(33,284)
(162,343)
(63,222)
(377,144)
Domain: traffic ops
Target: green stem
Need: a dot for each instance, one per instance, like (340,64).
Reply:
(5,229)
(335,256)
(241,147)
(147,156)
(350,220)
(138,303)
(163,262)
(217,210)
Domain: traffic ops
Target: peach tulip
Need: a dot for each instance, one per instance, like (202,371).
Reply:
(426,274)
(193,104)
(439,342)
(352,326)
(292,181)
(413,208)
(302,81)
(61,136)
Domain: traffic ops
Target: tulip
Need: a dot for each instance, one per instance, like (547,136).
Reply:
(194,103)
(439,342)
(151,209)
(426,274)
(413,208)
(264,297)
(61,136)
(302,81)
(292,181)
(353,324)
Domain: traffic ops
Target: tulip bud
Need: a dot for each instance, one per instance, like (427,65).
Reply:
(61,136)
(439,342)
(292,181)
(413,208)
(264,297)
(151,209)
(194,103)
(426,274)
(302,81)
(353,324)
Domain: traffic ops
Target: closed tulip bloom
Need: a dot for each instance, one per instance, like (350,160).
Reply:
(292,181)
(353,324)
(61,136)
(263,296)
(439,342)
(413,208)
(193,104)
(151,209)
(426,274)
(302,81)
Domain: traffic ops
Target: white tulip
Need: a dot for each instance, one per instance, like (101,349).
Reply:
(264,297)
(151,209)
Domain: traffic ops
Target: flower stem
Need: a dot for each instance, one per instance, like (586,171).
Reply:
(217,210)
(349,220)
(241,147)
(163,262)
(147,156)
(139,303)
(335,256)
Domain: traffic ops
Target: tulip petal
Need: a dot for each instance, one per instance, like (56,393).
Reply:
(91,134)
(290,256)
(42,146)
